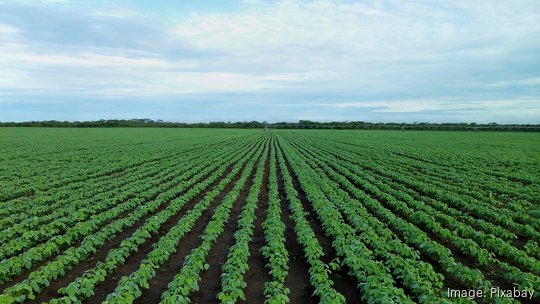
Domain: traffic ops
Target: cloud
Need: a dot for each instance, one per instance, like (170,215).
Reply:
(534,81)
(7,30)
(106,73)
(455,106)
(396,57)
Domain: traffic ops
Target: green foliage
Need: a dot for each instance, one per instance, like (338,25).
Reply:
(405,212)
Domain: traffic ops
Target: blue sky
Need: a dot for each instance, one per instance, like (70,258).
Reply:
(373,60)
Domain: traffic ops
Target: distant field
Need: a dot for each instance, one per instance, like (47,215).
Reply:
(214,215)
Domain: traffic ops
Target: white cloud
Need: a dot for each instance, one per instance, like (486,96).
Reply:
(56,1)
(353,30)
(377,45)
(7,30)
(409,106)
(16,55)
(534,81)
(414,54)
(117,75)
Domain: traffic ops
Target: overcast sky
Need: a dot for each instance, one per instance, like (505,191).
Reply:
(191,60)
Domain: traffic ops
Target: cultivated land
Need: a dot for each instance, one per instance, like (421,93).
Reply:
(178,215)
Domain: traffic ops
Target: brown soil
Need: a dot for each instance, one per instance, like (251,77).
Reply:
(94,259)
(520,242)
(343,283)
(101,254)
(90,176)
(466,260)
(210,280)
(159,284)
(133,262)
(257,273)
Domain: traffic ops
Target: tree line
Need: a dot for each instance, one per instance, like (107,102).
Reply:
(301,124)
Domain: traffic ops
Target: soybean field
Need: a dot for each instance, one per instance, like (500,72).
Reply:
(148,215)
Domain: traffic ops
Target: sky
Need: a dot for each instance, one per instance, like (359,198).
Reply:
(191,61)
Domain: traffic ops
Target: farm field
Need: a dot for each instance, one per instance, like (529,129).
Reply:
(277,216)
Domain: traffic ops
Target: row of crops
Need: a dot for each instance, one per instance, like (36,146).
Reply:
(252,216)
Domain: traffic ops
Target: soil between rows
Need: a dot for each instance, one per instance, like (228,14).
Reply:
(32,192)
(421,196)
(257,273)
(100,254)
(36,266)
(397,280)
(419,160)
(458,256)
(159,284)
(466,260)
(210,284)
(114,193)
(342,281)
